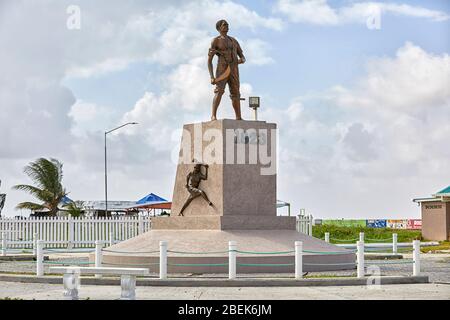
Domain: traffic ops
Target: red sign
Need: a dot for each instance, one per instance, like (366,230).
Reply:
(415,224)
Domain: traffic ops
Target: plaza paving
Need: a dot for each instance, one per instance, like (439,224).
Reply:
(54,292)
(436,266)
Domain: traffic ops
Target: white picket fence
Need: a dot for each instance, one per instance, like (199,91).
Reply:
(305,223)
(67,232)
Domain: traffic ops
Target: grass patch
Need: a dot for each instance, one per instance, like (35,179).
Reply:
(339,233)
(443,245)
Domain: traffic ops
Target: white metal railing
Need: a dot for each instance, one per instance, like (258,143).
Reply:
(68,232)
(304,223)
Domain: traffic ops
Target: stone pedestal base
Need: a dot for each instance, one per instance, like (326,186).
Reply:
(239,222)
(202,251)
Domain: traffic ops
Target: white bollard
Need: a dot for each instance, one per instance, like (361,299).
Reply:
(4,244)
(360,259)
(40,258)
(327,237)
(35,239)
(128,287)
(232,247)
(361,236)
(394,243)
(71,281)
(298,259)
(111,238)
(163,259)
(98,256)
(416,258)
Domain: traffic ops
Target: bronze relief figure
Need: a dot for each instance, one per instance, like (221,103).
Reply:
(193,180)
(229,54)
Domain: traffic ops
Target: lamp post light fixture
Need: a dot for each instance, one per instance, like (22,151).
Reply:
(253,102)
(106,171)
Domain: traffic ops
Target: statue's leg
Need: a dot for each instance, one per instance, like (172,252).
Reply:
(215,105)
(237,108)
(235,95)
(203,194)
(186,204)
(218,93)
(188,201)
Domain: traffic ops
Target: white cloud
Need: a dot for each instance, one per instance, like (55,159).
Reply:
(90,117)
(319,12)
(170,36)
(385,146)
(387,139)
(41,117)
(256,52)
(315,11)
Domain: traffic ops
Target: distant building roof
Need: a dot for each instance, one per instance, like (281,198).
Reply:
(112,205)
(150,200)
(443,195)
(281,203)
(444,192)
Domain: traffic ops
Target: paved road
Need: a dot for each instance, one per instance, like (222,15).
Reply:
(54,292)
(436,266)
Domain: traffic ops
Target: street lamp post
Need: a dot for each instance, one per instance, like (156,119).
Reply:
(106,171)
(253,102)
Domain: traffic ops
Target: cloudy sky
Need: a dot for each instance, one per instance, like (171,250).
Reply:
(360,91)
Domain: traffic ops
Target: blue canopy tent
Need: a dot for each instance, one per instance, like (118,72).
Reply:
(65,200)
(151,198)
(151,202)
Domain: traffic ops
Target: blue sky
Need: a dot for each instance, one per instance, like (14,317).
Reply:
(361,112)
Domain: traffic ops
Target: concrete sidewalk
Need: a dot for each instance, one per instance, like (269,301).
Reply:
(40,291)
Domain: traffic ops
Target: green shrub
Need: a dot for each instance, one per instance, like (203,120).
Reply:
(352,234)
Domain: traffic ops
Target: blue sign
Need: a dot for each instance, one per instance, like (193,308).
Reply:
(376,223)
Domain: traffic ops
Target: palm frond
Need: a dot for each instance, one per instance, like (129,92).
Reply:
(30,206)
(40,194)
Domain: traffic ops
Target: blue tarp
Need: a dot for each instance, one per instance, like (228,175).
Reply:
(151,198)
(65,200)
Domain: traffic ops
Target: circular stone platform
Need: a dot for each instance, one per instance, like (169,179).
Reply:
(143,251)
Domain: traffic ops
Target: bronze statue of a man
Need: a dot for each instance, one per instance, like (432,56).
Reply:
(230,55)
(193,180)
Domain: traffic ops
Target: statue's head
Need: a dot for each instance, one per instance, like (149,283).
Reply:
(222,26)
(197,167)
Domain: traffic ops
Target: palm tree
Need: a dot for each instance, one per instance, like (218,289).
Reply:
(47,176)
